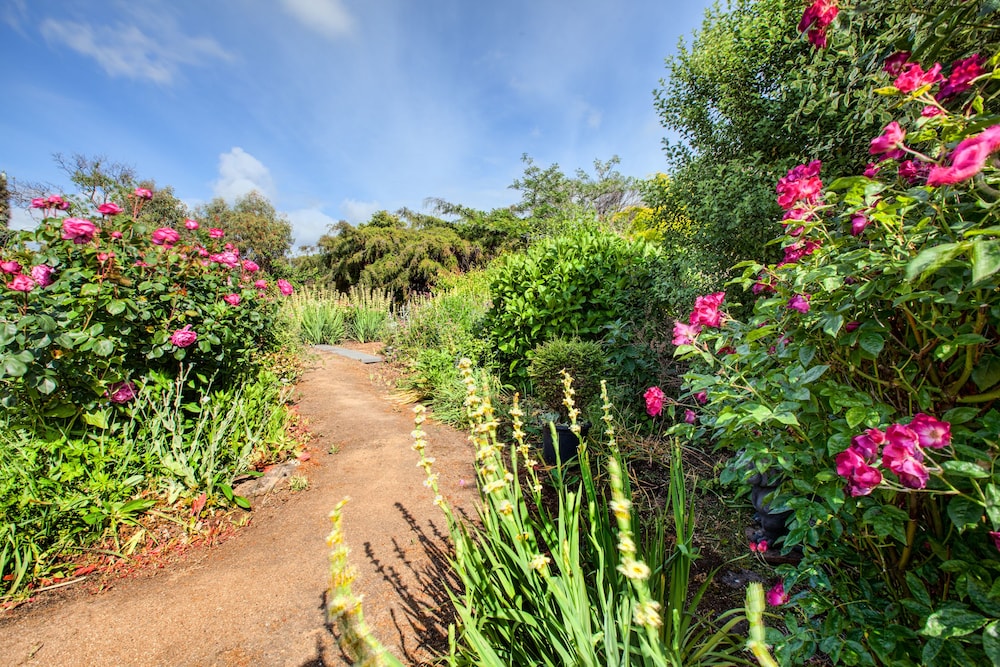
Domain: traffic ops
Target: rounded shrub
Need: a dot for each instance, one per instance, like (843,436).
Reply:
(583,360)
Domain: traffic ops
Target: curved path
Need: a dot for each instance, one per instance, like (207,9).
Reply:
(258,598)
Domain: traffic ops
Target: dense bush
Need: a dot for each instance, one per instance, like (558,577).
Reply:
(583,360)
(866,377)
(587,283)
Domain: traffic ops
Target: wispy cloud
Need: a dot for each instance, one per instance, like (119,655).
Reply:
(128,51)
(240,173)
(356,212)
(308,224)
(328,17)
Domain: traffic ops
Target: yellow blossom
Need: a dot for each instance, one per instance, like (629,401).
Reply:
(621,508)
(539,562)
(634,569)
(505,507)
(647,614)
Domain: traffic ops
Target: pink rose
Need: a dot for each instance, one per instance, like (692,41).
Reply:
(931,432)
(902,455)
(232,299)
(121,392)
(777,595)
(191,224)
(250,267)
(216,233)
(799,302)
(10,266)
(866,445)
(42,274)
(116,235)
(143,193)
(78,230)
(800,186)
(260,284)
(701,397)
(690,417)
(285,287)
(654,401)
(858,223)
(228,259)
(706,310)
(913,77)
(39,202)
(894,64)
(892,137)
(962,74)
(996,539)
(871,170)
(109,208)
(851,326)
(685,334)
(930,111)
(166,236)
(21,283)
(816,18)
(184,337)
(968,158)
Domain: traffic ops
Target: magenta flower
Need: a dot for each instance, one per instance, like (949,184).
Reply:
(963,72)
(55,201)
(701,397)
(798,250)
(39,202)
(184,337)
(250,266)
(260,284)
(867,444)
(191,224)
(801,185)
(166,236)
(853,466)
(121,392)
(858,223)
(228,259)
(930,111)
(872,169)
(799,302)
(968,158)
(78,230)
(913,77)
(996,539)
(143,193)
(232,299)
(116,235)
(892,137)
(21,283)
(759,547)
(761,287)
(777,595)
(931,432)
(816,18)
(285,287)
(894,64)
(10,266)
(42,274)
(654,401)
(215,233)
(690,417)
(706,310)
(912,171)
(903,456)
(109,208)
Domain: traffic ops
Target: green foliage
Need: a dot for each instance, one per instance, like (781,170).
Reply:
(564,580)
(583,360)
(577,284)
(252,223)
(871,328)
(384,253)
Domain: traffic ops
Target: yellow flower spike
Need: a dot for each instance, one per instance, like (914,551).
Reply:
(647,614)
(621,508)
(494,486)
(505,507)
(540,562)
(431,480)
(626,545)
(634,569)
(439,500)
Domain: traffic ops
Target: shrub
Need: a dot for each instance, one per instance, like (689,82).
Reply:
(577,284)
(584,361)
(866,377)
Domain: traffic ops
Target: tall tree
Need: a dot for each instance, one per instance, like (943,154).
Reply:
(252,223)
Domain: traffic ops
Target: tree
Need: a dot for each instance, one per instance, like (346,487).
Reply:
(4,209)
(251,223)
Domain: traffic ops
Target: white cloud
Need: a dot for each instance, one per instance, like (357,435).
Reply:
(240,173)
(21,219)
(308,224)
(356,212)
(126,51)
(328,17)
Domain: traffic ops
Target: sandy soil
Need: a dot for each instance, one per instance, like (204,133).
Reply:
(259,597)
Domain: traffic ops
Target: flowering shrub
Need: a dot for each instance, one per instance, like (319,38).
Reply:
(867,377)
(94,304)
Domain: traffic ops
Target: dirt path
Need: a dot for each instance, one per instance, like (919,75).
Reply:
(258,598)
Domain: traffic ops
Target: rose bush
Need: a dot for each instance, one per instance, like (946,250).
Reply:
(97,298)
(867,377)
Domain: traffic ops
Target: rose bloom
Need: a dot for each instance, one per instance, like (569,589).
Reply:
(968,158)
(10,266)
(21,283)
(777,595)
(216,233)
(962,74)
(39,202)
(931,432)
(184,337)
(260,284)
(166,236)
(902,455)
(871,170)
(116,235)
(858,223)
(42,274)
(690,417)
(654,401)
(892,137)
(706,310)
(913,77)
(285,287)
(250,266)
(109,208)
(232,299)
(930,111)
(78,230)
(894,64)
(143,193)
(228,259)
(701,397)
(685,334)
(121,392)
(799,302)
(191,224)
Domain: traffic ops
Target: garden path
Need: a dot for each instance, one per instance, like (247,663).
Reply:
(258,597)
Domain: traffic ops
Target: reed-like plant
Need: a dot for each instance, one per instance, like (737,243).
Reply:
(562,581)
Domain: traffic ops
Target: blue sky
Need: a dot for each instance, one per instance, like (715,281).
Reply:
(335,108)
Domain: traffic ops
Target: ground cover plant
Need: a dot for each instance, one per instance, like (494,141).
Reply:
(133,363)
(866,378)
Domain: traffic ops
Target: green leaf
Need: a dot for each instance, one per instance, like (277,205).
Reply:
(861,415)
(993,505)
(813,374)
(758,412)
(991,642)
(14,367)
(871,342)
(97,419)
(964,513)
(969,339)
(931,259)
(960,415)
(986,373)
(985,258)
(227,491)
(952,621)
(241,502)
(116,307)
(965,469)
(104,347)
(832,324)
(90,289)
(918,590)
